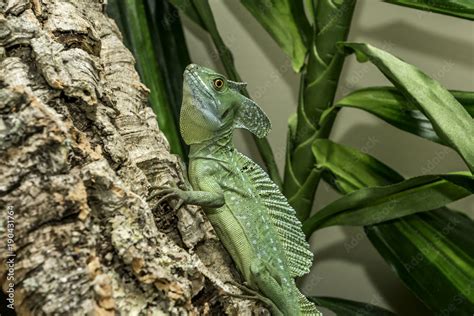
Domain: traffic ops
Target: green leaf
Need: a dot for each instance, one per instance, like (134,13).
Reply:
(451,122)
(433,253)
(171,52)
(282,18)
(391,106)
(139,31)
(377,204)
(374,205)
(301,198)
(187,6)
(458,8)
(351,169)
(343,307)
(170,43)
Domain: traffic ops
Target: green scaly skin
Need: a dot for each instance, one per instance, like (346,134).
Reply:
(224,184)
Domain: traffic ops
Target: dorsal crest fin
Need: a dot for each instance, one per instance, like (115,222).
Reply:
(307,308)
(283,218)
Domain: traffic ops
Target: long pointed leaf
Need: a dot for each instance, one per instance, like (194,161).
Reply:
(432,252)
(458,8)
(374,205)
(391,106)
(450,120)
(377,204)
(286,23)
(171,46)
(351,169)
(188,8)
(343,307)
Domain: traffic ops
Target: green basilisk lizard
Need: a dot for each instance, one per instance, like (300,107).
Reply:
(249,214)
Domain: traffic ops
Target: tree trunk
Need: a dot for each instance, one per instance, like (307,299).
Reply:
(80,157)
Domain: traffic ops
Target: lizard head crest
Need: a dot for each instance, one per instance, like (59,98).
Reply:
(213,106)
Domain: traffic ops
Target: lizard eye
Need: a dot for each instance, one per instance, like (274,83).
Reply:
(218,84)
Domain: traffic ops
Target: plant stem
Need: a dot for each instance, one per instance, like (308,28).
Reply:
(319,84)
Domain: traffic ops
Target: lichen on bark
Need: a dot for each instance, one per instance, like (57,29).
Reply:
(80,158)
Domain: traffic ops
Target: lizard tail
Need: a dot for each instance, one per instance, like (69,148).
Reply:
(306,307)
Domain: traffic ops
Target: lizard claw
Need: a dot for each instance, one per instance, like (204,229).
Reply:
(242,287)
(248,293)
(168,193)
(161,191)
(178,205)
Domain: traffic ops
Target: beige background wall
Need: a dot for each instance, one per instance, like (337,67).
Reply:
(346,264)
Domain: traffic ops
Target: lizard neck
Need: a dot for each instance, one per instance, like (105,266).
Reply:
(212,146)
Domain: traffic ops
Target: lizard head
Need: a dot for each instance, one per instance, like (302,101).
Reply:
(213,106)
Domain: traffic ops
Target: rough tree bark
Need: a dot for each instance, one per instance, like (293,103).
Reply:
(80,156)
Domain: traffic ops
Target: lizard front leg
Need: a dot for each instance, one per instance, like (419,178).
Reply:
(200,198)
